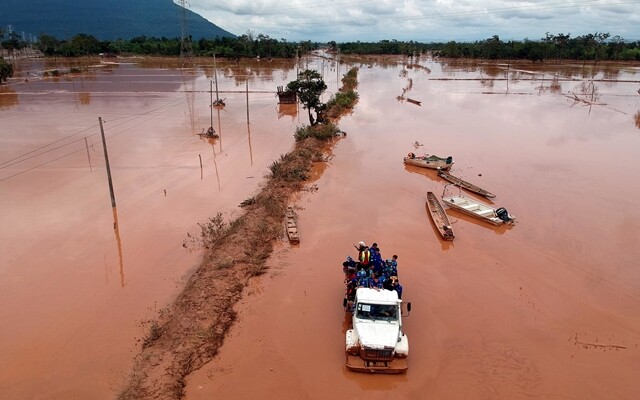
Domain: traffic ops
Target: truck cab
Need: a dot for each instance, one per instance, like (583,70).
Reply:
(376,342)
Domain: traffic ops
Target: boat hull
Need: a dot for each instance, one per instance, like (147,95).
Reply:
(292,226)
(465,185)
(429,163)
(475,209)
(439,217)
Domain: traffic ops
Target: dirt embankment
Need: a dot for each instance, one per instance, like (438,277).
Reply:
(189,332)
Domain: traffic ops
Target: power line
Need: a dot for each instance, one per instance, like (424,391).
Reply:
(170,104)
(21,158)
(3,164)
(40,165)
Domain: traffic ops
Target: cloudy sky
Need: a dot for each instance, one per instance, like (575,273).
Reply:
(421,20)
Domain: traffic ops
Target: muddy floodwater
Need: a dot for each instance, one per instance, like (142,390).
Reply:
(547,308)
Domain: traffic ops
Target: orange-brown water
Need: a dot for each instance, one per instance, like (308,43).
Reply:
(545,309)
(74,293)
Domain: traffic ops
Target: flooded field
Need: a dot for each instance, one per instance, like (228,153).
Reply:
(544,309)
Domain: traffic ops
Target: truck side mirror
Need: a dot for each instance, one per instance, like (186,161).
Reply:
(344,303)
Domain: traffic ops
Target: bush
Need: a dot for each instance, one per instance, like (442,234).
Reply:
(6,70)
(212,230)
(350,79)
(155,331)
(341,102)
(320,132)
(289,169)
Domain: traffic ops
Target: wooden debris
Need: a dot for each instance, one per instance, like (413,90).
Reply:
(414,101)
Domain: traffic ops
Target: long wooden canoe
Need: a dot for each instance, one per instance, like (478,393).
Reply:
(478,209)
(464,184)
(292,226)
(439,217)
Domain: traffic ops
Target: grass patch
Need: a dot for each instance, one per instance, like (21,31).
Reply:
(289,168)
(322,132)
(225,264)
(350,79)
(341,103)
(155,331)
(273,205)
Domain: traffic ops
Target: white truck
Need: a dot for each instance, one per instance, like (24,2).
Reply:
(376,342)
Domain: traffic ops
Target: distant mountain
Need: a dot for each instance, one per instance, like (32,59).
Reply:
(104,19)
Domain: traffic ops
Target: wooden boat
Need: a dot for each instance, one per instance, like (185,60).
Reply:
(292,226)
(464,184)
(431,161)
(439,217)
(478,209)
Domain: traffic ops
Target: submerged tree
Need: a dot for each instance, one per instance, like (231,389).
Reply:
(6,70)
(309,86)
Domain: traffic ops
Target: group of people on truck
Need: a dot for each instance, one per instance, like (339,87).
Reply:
(370,270)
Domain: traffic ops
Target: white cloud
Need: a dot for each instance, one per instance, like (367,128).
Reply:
(421,20)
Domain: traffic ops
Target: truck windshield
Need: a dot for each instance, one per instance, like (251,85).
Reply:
(377,312)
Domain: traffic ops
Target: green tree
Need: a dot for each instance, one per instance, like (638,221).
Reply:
(309,86)
(6,70)
(561,41)
(13,42)
(48,44)
(491,48)
(83,44)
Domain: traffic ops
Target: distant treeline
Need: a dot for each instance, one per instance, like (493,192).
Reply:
(598,46)
(247,45)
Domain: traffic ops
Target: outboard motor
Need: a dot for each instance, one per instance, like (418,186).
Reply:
(503,214)
(449,160)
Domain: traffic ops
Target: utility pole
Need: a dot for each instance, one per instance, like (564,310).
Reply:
(247,84)
(106,160)
(185,41)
